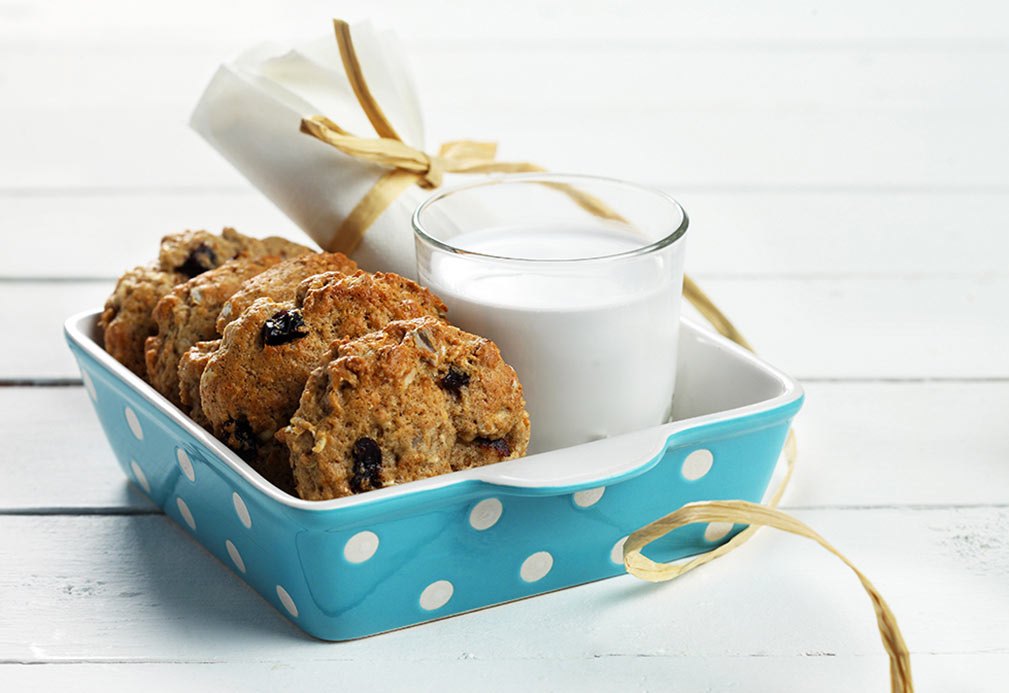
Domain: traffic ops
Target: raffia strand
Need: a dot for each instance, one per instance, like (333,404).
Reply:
(410,166)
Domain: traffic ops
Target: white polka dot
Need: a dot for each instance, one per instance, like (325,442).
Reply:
(236,557)
(436,595)
(241,510)
(536,566)
(485,514)
(617,552)
(141,478)
(697,464)
(134,424)
(589,496)
(286,600)
(186,464)
(186,515)
(89,385)
(360,547)
(717,530)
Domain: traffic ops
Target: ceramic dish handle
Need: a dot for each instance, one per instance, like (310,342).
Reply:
(582,466)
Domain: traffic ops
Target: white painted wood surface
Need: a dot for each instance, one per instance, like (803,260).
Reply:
(845,167)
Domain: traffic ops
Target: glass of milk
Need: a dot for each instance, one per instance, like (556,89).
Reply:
(577,279)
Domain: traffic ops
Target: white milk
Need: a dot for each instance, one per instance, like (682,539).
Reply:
(593,342)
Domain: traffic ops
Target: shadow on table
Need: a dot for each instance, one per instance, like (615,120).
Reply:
(190,591)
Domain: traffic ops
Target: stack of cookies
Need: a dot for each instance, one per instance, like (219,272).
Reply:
(326,379)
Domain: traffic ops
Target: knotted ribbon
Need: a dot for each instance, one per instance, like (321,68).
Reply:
(410,166)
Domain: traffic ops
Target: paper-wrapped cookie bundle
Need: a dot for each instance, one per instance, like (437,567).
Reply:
(326,379)
(251,113)
(297,122)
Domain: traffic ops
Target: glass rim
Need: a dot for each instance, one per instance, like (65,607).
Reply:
(499,179)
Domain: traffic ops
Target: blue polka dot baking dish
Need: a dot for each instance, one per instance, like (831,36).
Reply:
(398,556)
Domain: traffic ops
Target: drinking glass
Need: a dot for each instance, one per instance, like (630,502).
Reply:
(578,280)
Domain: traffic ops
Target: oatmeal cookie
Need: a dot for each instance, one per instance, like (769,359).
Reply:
(417,399)
(127,320)
(252,383)
(188,314)
(272,460)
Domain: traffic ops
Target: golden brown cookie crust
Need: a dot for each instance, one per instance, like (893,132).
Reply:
(280,283)
(250,388)
(417,399)
(127,320)
(193,252)
(191,367)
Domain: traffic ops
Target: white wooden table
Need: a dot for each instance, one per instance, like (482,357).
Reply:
(846,169)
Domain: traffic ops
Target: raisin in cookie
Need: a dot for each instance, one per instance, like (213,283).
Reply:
(417,399)
(127,320)
(188,314)
(252,383)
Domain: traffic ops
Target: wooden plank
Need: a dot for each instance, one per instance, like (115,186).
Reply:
(824,672)
(902,443)
(737,116)
(875,327)
(57,455)
(102,235)
(137,588)
(523,19)
(861,444)
(930,327)
(739,233)
(847,212)
(34,347)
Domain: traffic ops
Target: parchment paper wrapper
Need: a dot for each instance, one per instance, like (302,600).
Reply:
(251,110)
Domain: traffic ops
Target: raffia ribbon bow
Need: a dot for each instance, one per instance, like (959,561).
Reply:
(463,156)
(410,166)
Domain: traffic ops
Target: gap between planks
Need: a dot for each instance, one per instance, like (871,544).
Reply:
(727,187)
(852,380)
(110,511)
(602,655)
(702,276)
